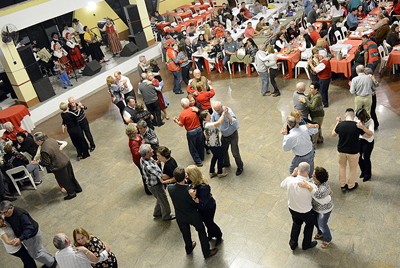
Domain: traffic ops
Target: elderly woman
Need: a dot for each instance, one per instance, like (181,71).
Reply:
(314,61)
(82,238)
(14,159)
(321,204)
(201,194)
(134,143)
(366,145)
(116,94)
(204,97)
(164,156)
(11,132)
(70,121)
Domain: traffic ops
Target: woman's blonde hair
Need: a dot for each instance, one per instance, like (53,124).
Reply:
(270,49)
(110,80)
(320,42)
(296,114)
(207,30)
(195,175)
(80,231)
(200,86)
(63,106)
(131,130)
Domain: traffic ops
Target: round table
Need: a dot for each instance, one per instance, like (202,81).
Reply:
(18,115)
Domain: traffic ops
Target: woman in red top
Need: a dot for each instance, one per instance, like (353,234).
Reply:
(361,14)
(134,143)
(204,96)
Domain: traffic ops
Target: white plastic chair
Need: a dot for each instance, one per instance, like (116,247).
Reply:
(338,35)
(199,22)
(186,19)
(26,175)
(344,31)
(178,19)
(384,59)
(282,66)
(301,64)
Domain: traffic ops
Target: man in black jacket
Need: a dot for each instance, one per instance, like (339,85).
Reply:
(27,232)
(187,214)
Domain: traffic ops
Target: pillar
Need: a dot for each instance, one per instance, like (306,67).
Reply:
(144,18)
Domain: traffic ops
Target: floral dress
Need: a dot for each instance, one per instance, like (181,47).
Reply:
(96,246)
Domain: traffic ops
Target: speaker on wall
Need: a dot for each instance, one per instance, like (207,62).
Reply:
(44,89)
(26,55)
(139,39)
(91,68)
(34,72)
(133,19)
(129,50)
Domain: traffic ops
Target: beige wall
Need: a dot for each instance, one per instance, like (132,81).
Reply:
(103,10)
(172,4)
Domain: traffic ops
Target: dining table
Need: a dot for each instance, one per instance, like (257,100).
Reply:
(292,57)
(394,57)
(194,7)
(344,65)
(364,28)
(387,5)
(19,116)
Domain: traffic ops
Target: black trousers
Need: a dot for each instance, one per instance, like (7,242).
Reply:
(184,227)
(78,140)
(25,258)
(217,158)
(373,113)
(185,74)
(233,141)
(365,158)
(154,109)
(130,93)
(121,107)
(298,219)
(207,216)
(84,124)
(66,178)
(272,74)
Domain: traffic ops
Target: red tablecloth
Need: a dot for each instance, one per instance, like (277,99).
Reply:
(183,15)
(192,7)
(394,57)
(344,66)
(14,114)
(378,10)
(318,24)
(292,59)
(161,25)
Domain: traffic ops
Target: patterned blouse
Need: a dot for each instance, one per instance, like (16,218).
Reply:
(322,200)
(213,135)
(96,246)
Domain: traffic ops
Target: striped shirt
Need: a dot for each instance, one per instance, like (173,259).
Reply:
(322,200)
(69,258)
(151,171)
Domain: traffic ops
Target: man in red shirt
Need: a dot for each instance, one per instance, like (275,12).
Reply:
(323,70)
(314,35)
(250,32)
(247,13)
(189,119)
(11,132)
(371,53)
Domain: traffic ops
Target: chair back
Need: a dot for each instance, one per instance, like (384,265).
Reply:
(178,19)
(338,35)
(386,47)
(381,52)
(344,31)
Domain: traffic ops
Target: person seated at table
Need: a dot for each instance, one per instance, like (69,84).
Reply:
(11,132)
(312,16)
(191,29)
(247,13)
(217,30)
(13,159)
(382,19)
(221,18)
(369,5)
(396,10)
(250,32)
(26,144)
(352,20)
(169,17)
(261,25)
(159,18)
(293,31)
(230,48)
(257,8)
(360,13)
(324,29)
(280,42)
(371,55)
(251,49)
(336,12)
(354,4)
(173,33)
(382,32)
(201,42)
(393,36)
(240,18)
(314,35)
(229,23)
(207,33)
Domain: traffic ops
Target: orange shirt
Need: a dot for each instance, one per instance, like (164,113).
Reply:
(314,35)
(13,135)
(204,98)
(189,119)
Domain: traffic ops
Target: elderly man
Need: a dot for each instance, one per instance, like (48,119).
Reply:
(314,35)
(293,31)
(11,132)
(230,48)
(300,192)
(57,162)
(312,16)
(194,133)
(150,98)
(27,231)
(152,175)
(297,139)
(349,132)
(217,30)
(75,257)
(129,113)
(78,109)
(142,66)
(197,77)
(298,96)
(124,83)
(363,86)
(230,136)
(323,70)
(187,214)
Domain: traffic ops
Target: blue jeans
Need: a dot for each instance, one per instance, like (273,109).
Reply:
(309,158)
(322,225)
(195,140)
(226,59)
(264,82)
(177,81)
(65,80)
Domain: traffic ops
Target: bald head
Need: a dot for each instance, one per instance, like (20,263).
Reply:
(196,73)
(300,87)
(144,76)
(304,169)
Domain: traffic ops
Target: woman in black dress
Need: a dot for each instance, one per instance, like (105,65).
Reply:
(164,156)
(201,194)
(26,144)
(70,121)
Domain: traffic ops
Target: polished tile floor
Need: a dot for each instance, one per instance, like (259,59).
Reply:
(251,209)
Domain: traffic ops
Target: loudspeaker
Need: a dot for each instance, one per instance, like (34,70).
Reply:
(91,68)
(139,39)
(129,50)
(44,89)
(133,19)
(34,72)
(26,55)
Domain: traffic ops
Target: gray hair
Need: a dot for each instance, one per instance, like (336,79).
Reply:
(141,58)
(39,136)
(291,122)
(216,104)
(185,102)
(60,241)
(196,71)
(144,149)
(360,69)
(304,167)
(300,86)
(8,125)
(368,70)
(142,123)
(4,205)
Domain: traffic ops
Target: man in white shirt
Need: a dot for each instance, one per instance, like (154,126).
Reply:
(78,257)
(66,30)
(300,205)
(125,83)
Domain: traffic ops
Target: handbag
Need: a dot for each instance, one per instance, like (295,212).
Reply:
(241,52)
